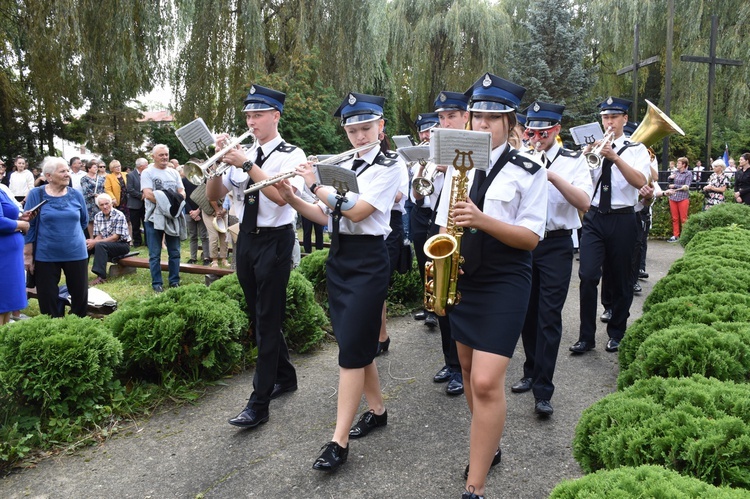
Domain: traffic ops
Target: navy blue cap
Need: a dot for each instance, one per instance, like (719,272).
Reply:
(521,119)
(360,108)
(615,105)
(264,99)
(493,94)
(629,128)
(448,101)
(540,115)
(425,121)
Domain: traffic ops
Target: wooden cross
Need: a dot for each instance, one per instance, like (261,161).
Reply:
(712,61)
(634,68)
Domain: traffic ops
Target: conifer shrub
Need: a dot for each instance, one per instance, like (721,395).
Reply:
(406,291)
(641,481)
(703,260)
(697,281)
(191,332)
(313,267)
(708,308)
(720,351)
(722,215)
(707,242)
(696,426)
(305,323)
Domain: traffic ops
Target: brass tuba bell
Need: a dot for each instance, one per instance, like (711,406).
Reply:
(655,126)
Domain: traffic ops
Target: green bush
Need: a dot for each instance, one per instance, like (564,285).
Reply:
(191,332)
(643,481)
(661,218)
(305,323)
(313,267)
(722,215)
(720,351)
(733,237)
(708,308)
(695,282)
(406,291)
(696,426)
(698,260)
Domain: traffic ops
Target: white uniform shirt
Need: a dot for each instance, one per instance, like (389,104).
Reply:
(378,186)
(403,187)
(269,213)
(560,213)
(624,194)
(437,184)
(515,196)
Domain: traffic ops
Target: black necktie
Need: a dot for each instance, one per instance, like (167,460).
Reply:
(545,160)
(356,164)
(605,195)
(479,177)
(250,217)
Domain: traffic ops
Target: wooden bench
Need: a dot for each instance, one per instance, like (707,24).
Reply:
(127,264)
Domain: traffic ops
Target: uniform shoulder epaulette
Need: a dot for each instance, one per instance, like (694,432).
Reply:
(388,158)
(287,148)
(570,154)
(524,162)
(629,144)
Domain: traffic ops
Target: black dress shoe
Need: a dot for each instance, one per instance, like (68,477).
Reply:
(495,461)
(442,375)
(606,316)
(642,274)
(332,457)
(612,345)
(637,288)
(249,418)
(383,346)
(543,407)
(192,261)
(469,494)
(279,390)
(420,316)
(456,384)
(367,422)
(582,346)
(523,385)
(431,321)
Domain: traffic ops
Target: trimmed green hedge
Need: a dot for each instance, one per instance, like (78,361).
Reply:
(703,260)
(313,267)
(722,215)
(732,237)
(192,332)
(720,351)
(695,282)
(642,481)
(696,426)
(708,308)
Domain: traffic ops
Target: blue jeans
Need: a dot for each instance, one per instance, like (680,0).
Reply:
(153,240)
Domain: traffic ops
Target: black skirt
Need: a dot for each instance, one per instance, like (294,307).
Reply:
(357,276)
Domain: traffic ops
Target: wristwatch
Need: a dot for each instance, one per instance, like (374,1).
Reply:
(247,166)
(313,187)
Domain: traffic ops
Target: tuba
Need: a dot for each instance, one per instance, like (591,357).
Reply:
(655,126)
(441,274)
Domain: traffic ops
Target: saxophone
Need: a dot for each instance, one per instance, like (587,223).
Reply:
(441,274)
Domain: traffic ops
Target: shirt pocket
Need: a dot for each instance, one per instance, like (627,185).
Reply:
(501,202)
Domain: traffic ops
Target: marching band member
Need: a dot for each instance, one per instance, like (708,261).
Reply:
(264,245)
(356,271)
(609,228)
(569,190)
(503,220)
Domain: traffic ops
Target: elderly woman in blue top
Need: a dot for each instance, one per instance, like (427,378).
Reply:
(55,241)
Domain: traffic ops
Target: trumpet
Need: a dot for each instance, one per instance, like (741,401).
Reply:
(198,172)
(425,186)
(338,158)
(594,157)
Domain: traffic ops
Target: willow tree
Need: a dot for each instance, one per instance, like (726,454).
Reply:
(444,45)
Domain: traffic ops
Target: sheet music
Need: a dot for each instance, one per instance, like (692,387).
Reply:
(414,153)
(195,136)
(402,141)
(342,179)
(586,134)
(461,147)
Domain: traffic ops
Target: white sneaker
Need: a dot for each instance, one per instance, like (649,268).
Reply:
(673,239)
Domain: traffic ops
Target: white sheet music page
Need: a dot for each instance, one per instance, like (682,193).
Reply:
(342,179)
(586,134)
(461,148)
(195,136)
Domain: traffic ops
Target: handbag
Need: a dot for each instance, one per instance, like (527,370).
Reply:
(404,260)
(198,196)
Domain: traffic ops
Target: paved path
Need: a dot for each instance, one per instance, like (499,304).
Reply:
(191,451)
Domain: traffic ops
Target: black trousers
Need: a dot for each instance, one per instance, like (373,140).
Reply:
(136,220)
(307,229)
(607,245)
(638,261)
(419,225)
(264,262)
(551,268)
(103,252)
(47,276)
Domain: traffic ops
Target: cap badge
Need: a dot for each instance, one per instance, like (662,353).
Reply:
(610,101)
(252,89)
(419,117)
(487,82)
(443,97)
(352,99)
(536,107)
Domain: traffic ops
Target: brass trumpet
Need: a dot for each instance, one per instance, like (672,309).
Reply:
(425,185)
(198,172)
(594,157)
(338,158)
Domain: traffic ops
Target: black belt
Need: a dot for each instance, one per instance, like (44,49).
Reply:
(557,233)
(618,211)
(261,230)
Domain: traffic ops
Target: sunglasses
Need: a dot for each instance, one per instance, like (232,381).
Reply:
(530,134)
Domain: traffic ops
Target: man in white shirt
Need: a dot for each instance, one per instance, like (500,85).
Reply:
(76,174)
